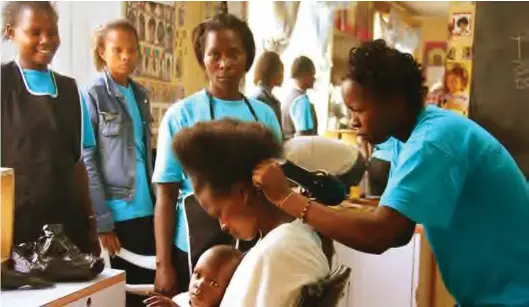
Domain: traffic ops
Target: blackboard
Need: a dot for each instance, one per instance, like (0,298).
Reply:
(499,99)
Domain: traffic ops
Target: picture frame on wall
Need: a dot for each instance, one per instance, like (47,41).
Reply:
(434,54)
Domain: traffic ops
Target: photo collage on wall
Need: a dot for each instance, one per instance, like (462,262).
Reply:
(458,66)
(157,68)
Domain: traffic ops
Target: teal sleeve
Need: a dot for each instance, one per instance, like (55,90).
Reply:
(425,184)
(88,133)
(167,167)
(301,114)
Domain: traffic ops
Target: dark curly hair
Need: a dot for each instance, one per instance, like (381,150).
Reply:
(223,21)
(386,73)
(462,20)
(12,9)
(217,154)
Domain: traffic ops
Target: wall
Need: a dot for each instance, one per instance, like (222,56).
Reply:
(77,20)
(433,29)
(303,41)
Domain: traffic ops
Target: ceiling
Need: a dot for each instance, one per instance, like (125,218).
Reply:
(428,8)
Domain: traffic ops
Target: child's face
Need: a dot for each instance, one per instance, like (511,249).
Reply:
(120,52)
(36,37)
(209,281)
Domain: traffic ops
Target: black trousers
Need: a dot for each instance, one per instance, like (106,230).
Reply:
(137,236)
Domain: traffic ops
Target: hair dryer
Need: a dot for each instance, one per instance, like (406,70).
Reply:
(320,185)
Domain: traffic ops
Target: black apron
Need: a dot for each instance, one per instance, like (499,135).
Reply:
(41,141)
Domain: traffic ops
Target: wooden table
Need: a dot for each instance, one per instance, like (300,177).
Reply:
(108,289)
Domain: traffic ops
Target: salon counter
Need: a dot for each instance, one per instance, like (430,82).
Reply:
(407,276)
(108,289)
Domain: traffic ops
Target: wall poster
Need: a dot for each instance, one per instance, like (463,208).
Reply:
(159,67)
(455,92)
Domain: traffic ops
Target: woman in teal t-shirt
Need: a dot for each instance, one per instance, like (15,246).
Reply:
(225,48)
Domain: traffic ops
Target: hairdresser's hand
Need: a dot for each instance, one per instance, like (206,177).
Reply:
(110,242)
(159,301)
(269,177)
(165,281)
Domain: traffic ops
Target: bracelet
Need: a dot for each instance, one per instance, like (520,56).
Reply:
(285,199)
(305,210)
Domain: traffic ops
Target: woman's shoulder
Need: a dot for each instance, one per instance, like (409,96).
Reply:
(187,107)
(292,239)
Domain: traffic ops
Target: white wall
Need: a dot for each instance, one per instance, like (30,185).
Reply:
(304,41)
(77,20)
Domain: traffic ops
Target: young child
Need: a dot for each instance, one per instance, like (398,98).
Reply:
(211,277)
(41,124)
(119,163)
(298,115)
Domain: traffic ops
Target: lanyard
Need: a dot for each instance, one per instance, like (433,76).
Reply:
(212,113)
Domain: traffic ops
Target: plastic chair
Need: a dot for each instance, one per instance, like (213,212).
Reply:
(326,292)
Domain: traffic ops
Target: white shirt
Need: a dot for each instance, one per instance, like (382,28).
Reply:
(274,271)
(320,153)
(182,299)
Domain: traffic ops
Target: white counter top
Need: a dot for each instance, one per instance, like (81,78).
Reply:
(62,293)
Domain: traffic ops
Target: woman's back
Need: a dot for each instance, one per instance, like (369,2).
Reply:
(275,270)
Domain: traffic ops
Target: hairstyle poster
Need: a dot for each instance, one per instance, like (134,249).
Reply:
(456,84)
(457,78)
(461,24)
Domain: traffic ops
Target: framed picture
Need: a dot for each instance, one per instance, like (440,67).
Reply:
(434,54)
(461,24)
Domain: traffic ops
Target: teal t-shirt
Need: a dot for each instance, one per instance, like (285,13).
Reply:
(384,151)
(185,113)
(42,83)
(301,113)
(465,188)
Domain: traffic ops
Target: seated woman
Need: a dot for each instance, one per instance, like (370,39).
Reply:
(219,157)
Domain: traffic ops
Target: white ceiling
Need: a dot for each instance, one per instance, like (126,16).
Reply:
(429,8)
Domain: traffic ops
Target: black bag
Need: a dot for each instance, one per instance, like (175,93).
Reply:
(55,258)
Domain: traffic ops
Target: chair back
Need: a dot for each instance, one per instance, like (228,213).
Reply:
(326,292)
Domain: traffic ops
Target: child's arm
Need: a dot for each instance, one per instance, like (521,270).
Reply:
(159,301)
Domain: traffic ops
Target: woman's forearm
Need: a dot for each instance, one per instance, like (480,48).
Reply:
(370,232)
(164,221)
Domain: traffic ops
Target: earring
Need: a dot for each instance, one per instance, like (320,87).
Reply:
(260,235)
